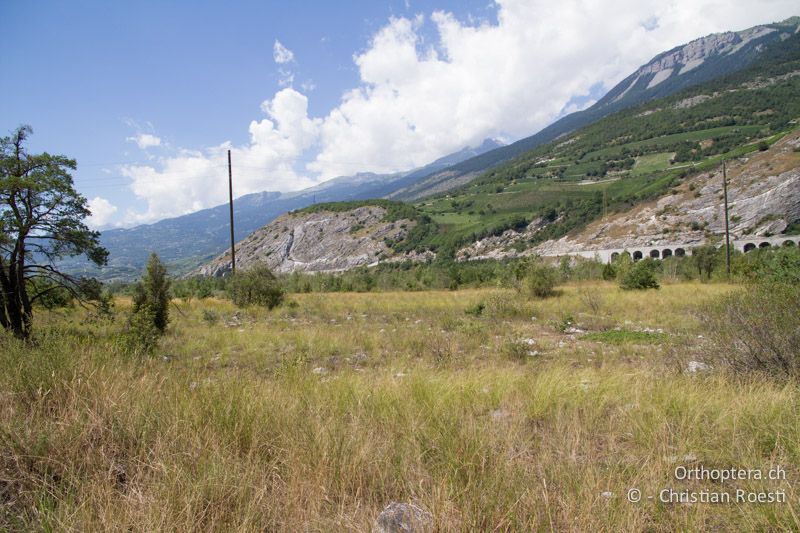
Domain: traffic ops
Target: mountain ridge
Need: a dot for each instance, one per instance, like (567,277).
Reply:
(631,91)
(186,241)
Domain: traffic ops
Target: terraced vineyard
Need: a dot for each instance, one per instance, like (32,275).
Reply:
(628,157)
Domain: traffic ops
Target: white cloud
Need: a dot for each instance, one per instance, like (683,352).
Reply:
(417,101)
(281,54)
(286,78)
(145,140)
(102,212)
(195,179)
(421,98)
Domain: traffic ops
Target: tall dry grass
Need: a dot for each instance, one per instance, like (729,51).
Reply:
(315,416)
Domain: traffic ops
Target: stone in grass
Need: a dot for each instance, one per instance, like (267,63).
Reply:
(697,366)
(403,517)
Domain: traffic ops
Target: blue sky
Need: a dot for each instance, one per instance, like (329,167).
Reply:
(147,96)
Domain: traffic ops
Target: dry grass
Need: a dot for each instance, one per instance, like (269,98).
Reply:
(316,415)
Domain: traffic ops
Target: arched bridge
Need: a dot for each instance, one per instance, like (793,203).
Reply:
(745,245)
(662,251)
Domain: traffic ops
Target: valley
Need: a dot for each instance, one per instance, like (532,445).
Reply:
(531,332)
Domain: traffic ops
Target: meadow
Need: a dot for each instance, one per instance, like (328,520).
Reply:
(490,410)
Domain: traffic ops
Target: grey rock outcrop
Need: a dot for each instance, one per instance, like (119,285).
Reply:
(322,241)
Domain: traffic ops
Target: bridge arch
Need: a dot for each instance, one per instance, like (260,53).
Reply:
(788,243)
(666,252)
(654,254)
(680,252)
(614,256)
(764,244)
(749,246)
(637,255)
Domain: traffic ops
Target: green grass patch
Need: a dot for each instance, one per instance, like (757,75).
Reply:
(625,336)
(651,163)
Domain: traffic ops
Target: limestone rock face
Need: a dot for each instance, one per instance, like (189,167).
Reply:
(315,242)
(403,517)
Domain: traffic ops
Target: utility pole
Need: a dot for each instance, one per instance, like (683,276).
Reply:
(230,204)
(727,227)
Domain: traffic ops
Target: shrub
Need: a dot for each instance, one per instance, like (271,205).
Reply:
(475,310)
(540,280)
(757,329)
(210,316)
(502,306)
(591,298)
(640,276)
(780,265)
(141,334)
(153,293)
(609,272)
(257,286)
(518,350)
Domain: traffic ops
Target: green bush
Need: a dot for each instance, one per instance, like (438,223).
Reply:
(642,275)
(141,335)
(153,293)
(757,329)
(540,280)
(257,286)
(609,272)
(778,265)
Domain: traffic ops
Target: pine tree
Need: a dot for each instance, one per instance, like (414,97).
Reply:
(152,293)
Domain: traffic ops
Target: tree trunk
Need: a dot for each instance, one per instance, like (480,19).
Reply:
(13,318)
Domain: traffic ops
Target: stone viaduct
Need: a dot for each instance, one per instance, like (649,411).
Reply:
(662,251)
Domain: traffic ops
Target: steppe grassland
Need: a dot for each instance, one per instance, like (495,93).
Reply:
(316,415)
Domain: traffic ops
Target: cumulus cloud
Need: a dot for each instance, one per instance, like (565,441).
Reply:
(419,100)
(195,179)
(281,54)
(432,84)
(103,212)
(145,140)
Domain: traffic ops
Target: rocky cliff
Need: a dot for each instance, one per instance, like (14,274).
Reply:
(316,242)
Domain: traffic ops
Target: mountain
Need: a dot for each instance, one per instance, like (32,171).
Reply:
(186,241)
(647,175)
(764,193)
(682,67)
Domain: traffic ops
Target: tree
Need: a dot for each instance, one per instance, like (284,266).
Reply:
(151,295)
(41,221)
(705,259)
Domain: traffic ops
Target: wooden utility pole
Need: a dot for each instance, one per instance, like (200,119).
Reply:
(727,227)
(230,204)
